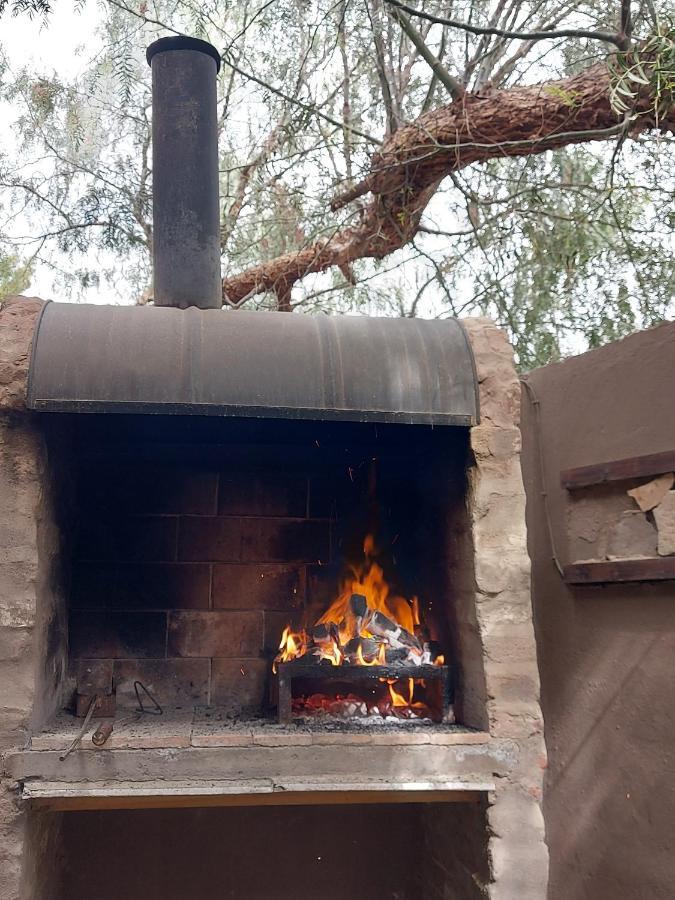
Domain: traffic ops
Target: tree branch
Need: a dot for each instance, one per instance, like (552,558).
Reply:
(626,24)
(309,107)
(545,35)
(451,84)
(407,170)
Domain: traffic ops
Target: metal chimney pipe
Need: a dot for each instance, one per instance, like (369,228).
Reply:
(186,203)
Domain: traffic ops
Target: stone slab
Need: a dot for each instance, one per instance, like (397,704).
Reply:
(649,495)
(130,732)
(664,516)
(631,537)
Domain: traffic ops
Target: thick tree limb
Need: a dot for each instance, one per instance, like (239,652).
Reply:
(407,170)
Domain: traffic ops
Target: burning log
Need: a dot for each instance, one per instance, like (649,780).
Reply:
(395,635)
(365,648)
(325,634)
(366,625)
(394,656)
(358,605)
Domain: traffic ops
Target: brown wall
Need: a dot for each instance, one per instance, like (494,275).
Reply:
(606,653)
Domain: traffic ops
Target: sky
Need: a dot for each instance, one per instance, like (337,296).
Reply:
(62,47)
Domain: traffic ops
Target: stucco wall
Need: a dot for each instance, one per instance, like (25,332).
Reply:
(606,653)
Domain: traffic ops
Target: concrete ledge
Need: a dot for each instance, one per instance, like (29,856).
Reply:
(335,763)
(183,729)
(56,795)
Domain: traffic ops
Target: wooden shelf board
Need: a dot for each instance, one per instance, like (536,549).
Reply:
(618,470)
(620,570)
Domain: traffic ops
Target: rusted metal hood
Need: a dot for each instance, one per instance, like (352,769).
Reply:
(139,359)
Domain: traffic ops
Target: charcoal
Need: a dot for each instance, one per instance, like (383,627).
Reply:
(358,605)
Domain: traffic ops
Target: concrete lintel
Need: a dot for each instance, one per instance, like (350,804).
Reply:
(271,792)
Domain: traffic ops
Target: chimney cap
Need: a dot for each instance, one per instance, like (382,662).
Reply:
(182,42)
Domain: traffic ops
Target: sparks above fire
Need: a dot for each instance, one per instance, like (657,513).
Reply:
(366,625)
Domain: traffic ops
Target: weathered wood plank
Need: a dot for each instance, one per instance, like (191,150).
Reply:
(620,570)
(618,470)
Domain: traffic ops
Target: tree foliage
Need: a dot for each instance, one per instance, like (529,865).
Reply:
(566,247)
(15,275)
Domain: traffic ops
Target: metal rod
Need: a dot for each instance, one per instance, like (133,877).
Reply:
(95,701)
(186,205)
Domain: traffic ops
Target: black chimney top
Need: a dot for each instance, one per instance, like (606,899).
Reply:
(182,42)
(186,204)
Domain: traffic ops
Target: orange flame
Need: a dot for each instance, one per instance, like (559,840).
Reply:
(399,699)
(292,646)
(367,580)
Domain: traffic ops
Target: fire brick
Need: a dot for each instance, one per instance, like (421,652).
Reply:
(172,682)
(162,586)
(93,585)
(275,622)
(257,586)
(285,540)
(149,489)
(117,635)
(140,586)
(134,538)
(209,538)
(93,676)
(262,494)
(215,633)
(239,685)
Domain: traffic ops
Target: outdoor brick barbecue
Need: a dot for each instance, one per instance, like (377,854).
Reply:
(180,487)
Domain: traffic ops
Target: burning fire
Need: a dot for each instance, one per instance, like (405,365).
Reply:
(366,625)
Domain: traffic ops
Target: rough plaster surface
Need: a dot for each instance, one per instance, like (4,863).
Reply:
(21,573)
(606,653)
(517,848)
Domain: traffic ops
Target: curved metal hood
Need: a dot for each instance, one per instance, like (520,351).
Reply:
(139,359)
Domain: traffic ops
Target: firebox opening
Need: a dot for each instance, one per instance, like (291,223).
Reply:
(194,543)
(422,850)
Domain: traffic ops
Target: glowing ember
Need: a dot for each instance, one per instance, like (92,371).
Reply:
(366,709)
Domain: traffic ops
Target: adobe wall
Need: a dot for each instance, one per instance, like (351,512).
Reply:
(28,550)
(500,611)
(606,653)
(494,612)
